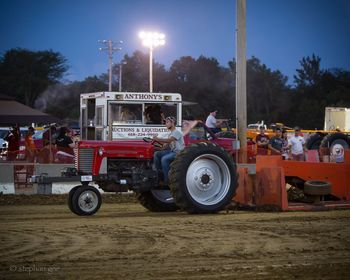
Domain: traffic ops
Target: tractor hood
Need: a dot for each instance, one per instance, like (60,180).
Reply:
(120,148)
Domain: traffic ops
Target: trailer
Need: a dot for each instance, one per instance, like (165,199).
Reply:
(337,118)
(274,182)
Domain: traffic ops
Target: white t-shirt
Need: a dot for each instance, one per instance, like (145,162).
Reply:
(179,144)
(297,143)
(211,122)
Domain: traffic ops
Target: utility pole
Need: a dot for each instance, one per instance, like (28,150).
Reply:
(241,76)
(110,47)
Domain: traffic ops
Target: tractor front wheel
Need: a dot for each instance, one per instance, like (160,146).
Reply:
(70,199)
(86,201)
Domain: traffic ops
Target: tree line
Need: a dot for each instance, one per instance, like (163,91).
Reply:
(35,79)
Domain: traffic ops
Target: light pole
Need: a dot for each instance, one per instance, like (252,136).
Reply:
(151,40)
(120,74)
(110,47)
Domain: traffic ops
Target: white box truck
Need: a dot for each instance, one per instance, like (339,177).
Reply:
(337,118)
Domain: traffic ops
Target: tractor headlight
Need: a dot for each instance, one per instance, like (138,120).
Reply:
(101,151)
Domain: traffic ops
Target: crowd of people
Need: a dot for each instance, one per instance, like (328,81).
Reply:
(57,145)
(289,148)
(293,148)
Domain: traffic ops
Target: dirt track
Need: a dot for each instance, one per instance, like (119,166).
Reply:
(124,241)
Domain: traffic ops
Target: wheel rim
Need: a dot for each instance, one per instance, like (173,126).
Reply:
(208,179)
(163,196)
(88,201)
(338,146)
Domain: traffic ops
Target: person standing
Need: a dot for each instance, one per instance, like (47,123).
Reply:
(175,142)
(30,145)
(276,143)
(285,148)
(12,138)
(46,154)
(262,142)
(212,123)
(297,145)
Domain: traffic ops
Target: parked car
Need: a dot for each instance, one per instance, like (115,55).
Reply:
(3,143)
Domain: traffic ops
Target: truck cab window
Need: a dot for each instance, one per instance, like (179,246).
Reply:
(153,114)
(126,113)
(156,113)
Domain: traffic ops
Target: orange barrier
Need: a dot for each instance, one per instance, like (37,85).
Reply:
(271,188)
(268,186)
(245,191)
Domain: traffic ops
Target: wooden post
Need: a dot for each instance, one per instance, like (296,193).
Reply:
(241,73)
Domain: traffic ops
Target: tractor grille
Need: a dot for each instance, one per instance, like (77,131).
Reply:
(85,160)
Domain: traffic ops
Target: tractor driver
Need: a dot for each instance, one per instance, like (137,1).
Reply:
(175,144)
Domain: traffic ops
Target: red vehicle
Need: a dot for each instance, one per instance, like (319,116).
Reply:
(112,154)
(203,177)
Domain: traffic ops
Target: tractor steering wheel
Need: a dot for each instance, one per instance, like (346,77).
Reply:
(156,144)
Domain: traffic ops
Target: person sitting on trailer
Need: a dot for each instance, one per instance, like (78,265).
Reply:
(212,123)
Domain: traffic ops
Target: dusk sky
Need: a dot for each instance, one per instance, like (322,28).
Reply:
(279,32)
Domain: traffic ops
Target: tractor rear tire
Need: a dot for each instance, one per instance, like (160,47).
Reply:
(203,178)
(317,188)
(157,201)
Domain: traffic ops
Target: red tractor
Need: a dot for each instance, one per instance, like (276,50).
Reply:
(112,153)
(202,178)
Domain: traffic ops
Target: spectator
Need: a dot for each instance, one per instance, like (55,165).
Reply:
(175,141)
(13,138)
(276,143)
(127,115)
(262,142)
(154,114)
(30,145)
(49,139)
(64,142)
(297,145)
(285,148)
(212,123)
(49,136)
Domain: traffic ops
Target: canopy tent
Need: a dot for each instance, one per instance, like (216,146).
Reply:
(13,112)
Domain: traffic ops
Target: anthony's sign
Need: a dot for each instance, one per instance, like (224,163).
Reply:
(143,96)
